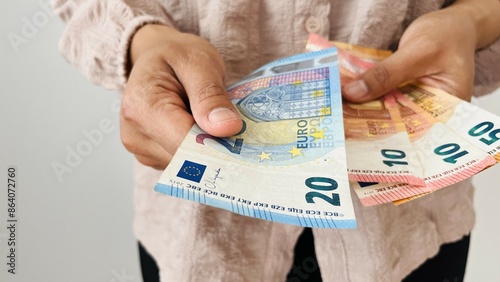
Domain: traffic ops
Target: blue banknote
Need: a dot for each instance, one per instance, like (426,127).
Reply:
(288,163)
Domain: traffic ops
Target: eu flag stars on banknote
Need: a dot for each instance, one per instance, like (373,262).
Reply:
(288,164)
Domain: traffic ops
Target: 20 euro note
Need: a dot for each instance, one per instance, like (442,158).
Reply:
(378,148)
(288,164)
(446,157)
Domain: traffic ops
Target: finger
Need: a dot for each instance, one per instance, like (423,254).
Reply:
(153,106)
(211,107)
(147,151)
(461,88)
(384,76)
(159,130)
(153,162)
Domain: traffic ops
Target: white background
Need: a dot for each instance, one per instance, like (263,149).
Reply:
(80,228)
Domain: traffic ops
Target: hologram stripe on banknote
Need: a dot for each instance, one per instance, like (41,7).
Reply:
(289,163)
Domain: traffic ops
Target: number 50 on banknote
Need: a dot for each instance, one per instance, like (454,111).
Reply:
(288,163)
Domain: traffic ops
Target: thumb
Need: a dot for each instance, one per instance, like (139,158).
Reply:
(211,107)
(382,78)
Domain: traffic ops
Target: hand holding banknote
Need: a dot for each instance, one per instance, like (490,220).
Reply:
(431,50)
(176,79)
(288,163)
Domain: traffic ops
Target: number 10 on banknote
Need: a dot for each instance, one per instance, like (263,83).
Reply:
(288,163)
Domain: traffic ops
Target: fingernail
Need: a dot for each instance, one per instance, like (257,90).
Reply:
(220,115)
(356,89)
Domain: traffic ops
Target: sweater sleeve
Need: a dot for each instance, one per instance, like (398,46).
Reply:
(487,62)
(98,34)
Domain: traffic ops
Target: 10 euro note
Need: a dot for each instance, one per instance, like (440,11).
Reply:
(288,164)
(477,125)
(378,147)
(377,144)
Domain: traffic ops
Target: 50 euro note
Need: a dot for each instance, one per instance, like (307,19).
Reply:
(288,164)
(445,155)
(378,147)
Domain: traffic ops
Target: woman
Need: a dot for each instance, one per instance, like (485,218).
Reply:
(172,60)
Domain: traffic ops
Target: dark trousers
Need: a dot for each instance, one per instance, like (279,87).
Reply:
(448,265)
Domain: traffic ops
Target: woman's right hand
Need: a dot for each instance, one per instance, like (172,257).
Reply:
(176,79)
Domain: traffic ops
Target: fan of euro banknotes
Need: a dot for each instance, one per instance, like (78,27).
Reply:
(302,148)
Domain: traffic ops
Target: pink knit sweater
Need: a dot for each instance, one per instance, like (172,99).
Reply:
(193,242)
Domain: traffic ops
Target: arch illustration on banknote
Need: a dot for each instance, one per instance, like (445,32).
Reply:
(287,119)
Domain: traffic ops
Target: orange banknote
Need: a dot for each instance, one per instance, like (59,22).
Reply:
(377,145)
(450,139)
(446,158)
